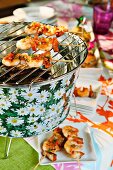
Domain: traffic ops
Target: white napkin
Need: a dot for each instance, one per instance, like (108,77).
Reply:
(105,145)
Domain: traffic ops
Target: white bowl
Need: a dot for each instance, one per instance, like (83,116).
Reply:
(40,13)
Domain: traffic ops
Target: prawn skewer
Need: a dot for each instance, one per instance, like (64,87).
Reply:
(53,144)
(84,92)
(36,60)
(44,44)
(48,30)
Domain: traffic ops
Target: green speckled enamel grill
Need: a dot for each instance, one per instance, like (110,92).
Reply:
(36,100)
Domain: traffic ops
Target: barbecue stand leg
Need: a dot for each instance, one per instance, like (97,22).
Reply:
(7,146)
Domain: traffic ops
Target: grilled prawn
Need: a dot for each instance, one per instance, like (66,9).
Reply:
(24,43)
(10,60)
(35,60)
(69,131)
(44,44)
(39,60)
(34,28)
(48,30)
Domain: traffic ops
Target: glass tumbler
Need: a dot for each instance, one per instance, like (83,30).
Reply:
(102,19)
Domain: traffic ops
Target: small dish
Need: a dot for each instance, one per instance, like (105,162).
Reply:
(40,13)
(88,148)
(86,103)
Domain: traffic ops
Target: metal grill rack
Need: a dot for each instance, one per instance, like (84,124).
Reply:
(75,50)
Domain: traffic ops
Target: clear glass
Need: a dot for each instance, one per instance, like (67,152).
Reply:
(102,19)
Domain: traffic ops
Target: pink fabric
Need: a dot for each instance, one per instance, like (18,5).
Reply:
(66,166)
(106,42)
(77,10)
(65,9)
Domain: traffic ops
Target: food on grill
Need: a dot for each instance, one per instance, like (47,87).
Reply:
(54,30)
(10,60)
(84,92)
(90,61)
(41,43)
(63,138)
(24,59)
(34,28)
(80,31)
(39,60)
(69,131)
(25,43)
(48,30)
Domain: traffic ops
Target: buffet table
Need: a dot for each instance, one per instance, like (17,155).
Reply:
(24,152)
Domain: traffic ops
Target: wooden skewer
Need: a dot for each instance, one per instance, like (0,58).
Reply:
(39,162)
(79,166)
(73,45)
(69,61)
(76,32)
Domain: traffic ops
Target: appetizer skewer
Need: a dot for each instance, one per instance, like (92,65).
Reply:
(48,30)
(44,44)
(35,60)
(66,138)
(52,145)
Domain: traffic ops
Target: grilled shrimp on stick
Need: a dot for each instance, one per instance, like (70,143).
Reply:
(48,30)
(35,60)
(52,145)
(44,44)
(39,60)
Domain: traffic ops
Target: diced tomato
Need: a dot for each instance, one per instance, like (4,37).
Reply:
(37,24)
(55,44)
(34,46)
(10,56)
(46,63)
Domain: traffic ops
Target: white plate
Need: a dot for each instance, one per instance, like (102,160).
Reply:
(29,14)
(88,148)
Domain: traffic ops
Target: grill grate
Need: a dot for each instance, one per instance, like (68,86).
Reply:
(75,50)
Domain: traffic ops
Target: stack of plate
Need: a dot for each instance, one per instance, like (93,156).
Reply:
(39,13)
